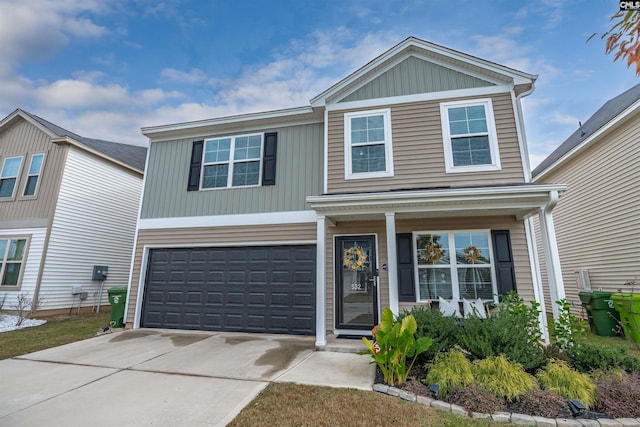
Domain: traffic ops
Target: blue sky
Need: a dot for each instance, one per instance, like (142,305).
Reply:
(104,69)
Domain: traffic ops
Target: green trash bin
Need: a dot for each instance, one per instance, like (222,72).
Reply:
(601,312)
(117,299)
(628,305)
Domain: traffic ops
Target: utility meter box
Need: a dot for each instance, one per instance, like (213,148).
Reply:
(100,272)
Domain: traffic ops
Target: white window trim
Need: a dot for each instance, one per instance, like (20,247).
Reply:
(23,262)
(388,147)
(453,266)
(491,130)
(231,162)
(15,187)
(39,175)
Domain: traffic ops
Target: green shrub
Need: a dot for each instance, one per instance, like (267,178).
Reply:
(502,378)
(441,329)
(449,370)
(559,378)
(587,357)
(513,331)
(618,394)
(542,403)
(567,329)
(552,351)
(476,399)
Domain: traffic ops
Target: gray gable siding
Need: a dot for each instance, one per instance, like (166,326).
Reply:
(412,76)
(298,174)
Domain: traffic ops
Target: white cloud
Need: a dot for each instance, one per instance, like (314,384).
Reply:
(565,119)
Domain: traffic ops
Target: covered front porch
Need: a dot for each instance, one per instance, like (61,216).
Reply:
(381,223)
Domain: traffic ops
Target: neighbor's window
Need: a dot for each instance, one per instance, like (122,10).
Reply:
(12,253)
(232,161)
(9,176)
(368,151)
(35,169)
(454,265)
(470,142)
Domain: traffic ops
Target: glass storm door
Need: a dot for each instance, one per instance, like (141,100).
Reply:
(356,287)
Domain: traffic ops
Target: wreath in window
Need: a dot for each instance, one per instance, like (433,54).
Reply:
(471,254)
(431,250)
(355,258)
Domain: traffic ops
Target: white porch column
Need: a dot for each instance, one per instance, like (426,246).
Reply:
(551,256)
(535,276)
(392,262)
(321,308)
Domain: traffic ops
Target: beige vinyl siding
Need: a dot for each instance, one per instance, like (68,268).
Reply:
(518,246)
(30,266)
(214,236)
(597,219)
(298,174)
(94,224)
(25,139)
(414,75)
(418,150)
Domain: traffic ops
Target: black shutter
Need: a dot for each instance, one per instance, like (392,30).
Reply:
(269,158)
(196,163)
(503,260)
(406,284)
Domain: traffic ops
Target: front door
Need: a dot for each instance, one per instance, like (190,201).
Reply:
(356,287)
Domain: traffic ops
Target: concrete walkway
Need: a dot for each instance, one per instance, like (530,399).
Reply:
(163,377)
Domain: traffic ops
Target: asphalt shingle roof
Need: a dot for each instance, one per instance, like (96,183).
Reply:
(604,115)
(131,155)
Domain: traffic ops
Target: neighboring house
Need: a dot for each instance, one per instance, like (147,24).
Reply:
(311,220)
(597,221)
(67,203)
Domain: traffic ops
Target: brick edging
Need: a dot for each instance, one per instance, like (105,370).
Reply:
(503,417)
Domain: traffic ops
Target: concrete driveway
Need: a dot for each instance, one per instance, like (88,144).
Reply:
(163,377)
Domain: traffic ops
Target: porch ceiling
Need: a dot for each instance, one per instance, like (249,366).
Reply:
(520,201)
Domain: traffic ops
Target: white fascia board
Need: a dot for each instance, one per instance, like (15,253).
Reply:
(519,77)
(420,97)
(292,217)
(592,139)
(447,194)
(81,146)
(154,131)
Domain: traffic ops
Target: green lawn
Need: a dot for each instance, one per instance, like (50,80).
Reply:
(303,405)
(57,331)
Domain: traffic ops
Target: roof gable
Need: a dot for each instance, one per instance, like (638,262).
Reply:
(613,110)
(131,156)
(447,58)
(413,75)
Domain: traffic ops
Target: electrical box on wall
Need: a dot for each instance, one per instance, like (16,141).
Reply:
(100,272)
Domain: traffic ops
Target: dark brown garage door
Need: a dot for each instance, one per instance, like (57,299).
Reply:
(251,289)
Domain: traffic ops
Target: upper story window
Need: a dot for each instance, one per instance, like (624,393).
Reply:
(368,152)
(9,176)
(33,178)
(12,252)
(232,161)
(469,131)
(454,265)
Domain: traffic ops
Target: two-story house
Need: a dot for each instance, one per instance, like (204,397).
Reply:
(598,219)
(67,203)
(405,182)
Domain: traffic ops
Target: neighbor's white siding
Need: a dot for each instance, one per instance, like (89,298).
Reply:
(94,224)
(36,238)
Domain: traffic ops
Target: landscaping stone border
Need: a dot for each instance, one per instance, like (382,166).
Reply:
(505,417)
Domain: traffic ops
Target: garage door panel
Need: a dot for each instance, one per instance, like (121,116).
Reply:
(255,289)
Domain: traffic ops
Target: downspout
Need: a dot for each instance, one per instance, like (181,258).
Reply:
(526,164)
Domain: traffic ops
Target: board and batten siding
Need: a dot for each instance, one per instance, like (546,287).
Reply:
(212,236)
(597,219)
(31,266)
(519,250)
(418,150)
(94,224)
(25,139)
(412,76)
(299,174)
